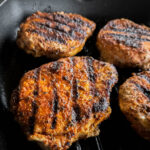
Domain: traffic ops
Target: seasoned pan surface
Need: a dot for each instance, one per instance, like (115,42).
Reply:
(116,133)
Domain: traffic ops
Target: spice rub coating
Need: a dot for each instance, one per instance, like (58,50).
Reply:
(125,44)
(63,101)
(54,35)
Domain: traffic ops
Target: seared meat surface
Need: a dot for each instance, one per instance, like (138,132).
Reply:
(54,35)
(63,101)
(134,101)
(125,44)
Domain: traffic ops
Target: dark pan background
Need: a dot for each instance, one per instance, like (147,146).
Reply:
(116,133)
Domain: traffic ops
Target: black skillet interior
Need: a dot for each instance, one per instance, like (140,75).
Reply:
(116,133)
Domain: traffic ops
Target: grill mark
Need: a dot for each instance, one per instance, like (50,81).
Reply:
(74,24)
(54,69)
(129,36)
(32,118)
(130,29)
(74,82)
(60,32)
(56,21)
(48,36)
(90,75)
(109,84)
(75,89)
(36,74)
(145,77)
(56,66)
(50,26)
(74,92)
(76,113)
(129,40)
(34,104)
(55,108)
(90,69)
(66,79)
(55,104)
(66,20)
(100,106)
(36,77)
(53,125)
(76,33)
(144,90)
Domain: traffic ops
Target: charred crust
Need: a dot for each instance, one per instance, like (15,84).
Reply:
(55,67)
(53,126)
(55,109)
(49,36)
(100,106)
(96,93)
(66,78)
(75,89)
(90,69)
(35,93)
(55,102)
(32,118)
(76,113)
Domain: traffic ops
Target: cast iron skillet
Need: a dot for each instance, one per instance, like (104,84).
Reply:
(116,133)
